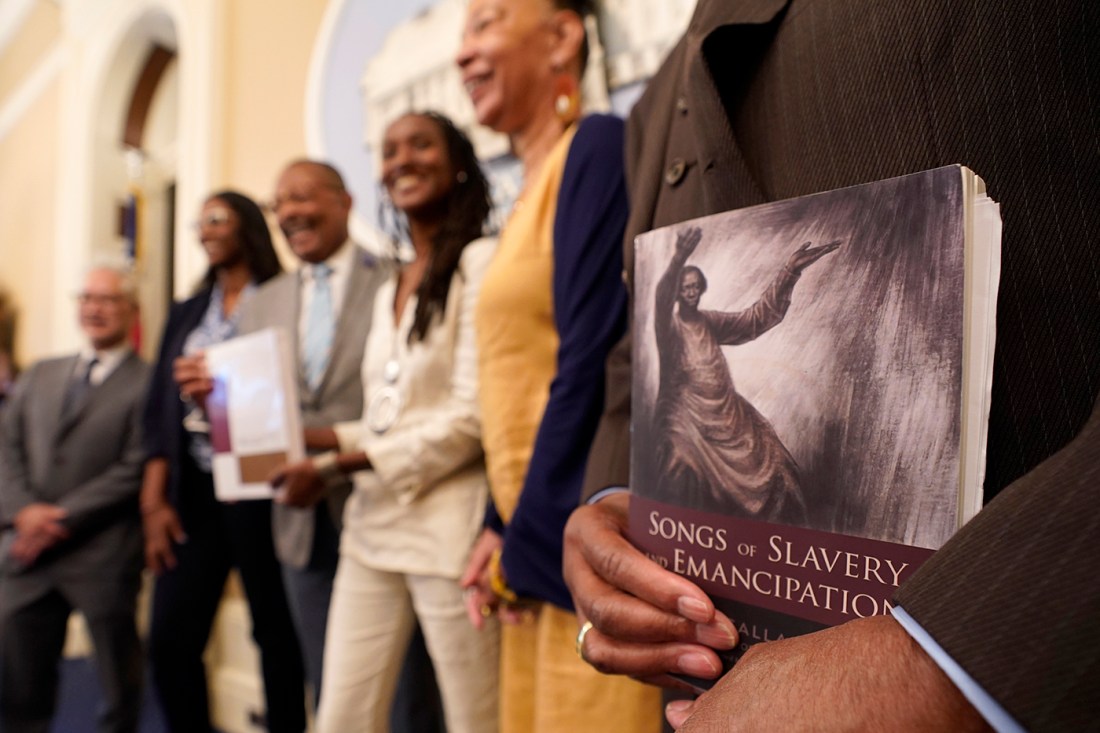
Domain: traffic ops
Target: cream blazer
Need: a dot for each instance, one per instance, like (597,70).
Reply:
(420,507)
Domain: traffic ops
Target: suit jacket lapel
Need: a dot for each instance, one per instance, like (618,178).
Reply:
(55,396)
(724,50)
(285,305)
(358,299)
(119,375)
(712,14)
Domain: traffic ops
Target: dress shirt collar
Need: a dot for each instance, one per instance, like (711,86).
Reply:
(107,360)
(340,262)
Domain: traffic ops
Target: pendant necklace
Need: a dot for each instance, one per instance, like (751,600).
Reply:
(385,404)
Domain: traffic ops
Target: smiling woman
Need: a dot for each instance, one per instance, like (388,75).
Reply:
(191,540)
(416,172)
(552,306)
(416,456)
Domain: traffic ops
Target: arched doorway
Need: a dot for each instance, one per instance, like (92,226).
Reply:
(134,164)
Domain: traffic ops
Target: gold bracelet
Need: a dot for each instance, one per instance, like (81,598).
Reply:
(497,581)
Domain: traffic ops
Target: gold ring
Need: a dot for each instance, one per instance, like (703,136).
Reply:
(486,611)
(580,640)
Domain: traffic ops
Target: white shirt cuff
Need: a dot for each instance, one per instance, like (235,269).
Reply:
(348,435)
(982,701)
(604,493)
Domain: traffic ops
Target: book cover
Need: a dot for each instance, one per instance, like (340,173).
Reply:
(810,396)
(255,423)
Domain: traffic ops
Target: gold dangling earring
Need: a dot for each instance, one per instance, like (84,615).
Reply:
(566,98)
(561,105)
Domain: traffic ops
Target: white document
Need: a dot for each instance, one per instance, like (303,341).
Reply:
(255,420)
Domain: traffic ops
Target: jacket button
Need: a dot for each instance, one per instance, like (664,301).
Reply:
(675,172)
(681,105)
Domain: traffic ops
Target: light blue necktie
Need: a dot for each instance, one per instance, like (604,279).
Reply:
(317,344)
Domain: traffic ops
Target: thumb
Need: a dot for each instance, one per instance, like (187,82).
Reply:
(472,572)
(678,711)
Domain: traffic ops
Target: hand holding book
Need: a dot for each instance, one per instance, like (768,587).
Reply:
(799,477)
(297,484)
(193,378)
(648,622)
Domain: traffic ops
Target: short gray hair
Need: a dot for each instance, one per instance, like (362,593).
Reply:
(123,268)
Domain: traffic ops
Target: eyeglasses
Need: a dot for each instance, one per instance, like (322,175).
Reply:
(212,218)
(99,299)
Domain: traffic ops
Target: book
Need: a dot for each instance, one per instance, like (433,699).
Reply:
(254,414)
(811,395)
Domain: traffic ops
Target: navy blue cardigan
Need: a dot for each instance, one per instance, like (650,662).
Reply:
(590,304)
(164,411)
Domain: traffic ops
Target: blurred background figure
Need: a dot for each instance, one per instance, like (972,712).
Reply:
(325,308)
(552,306)
(191,539)
(9,369)
(70,470)
(8,373)
(420,485)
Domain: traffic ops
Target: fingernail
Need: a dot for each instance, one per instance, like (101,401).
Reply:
(717,636)
(676,718)
(677,712)
(698,665)
(693,609)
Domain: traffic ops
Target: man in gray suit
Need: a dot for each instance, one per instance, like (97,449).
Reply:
(70,470)
(325,308)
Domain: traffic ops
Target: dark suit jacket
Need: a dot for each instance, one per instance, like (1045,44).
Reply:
(338,398)
(89,464)
(766,99)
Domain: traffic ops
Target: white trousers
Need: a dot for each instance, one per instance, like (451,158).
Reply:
(369,627)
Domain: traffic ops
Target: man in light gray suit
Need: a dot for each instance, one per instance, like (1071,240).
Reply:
(337,279)
(70,469)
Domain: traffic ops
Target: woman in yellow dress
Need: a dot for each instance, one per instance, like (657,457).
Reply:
(552,305)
